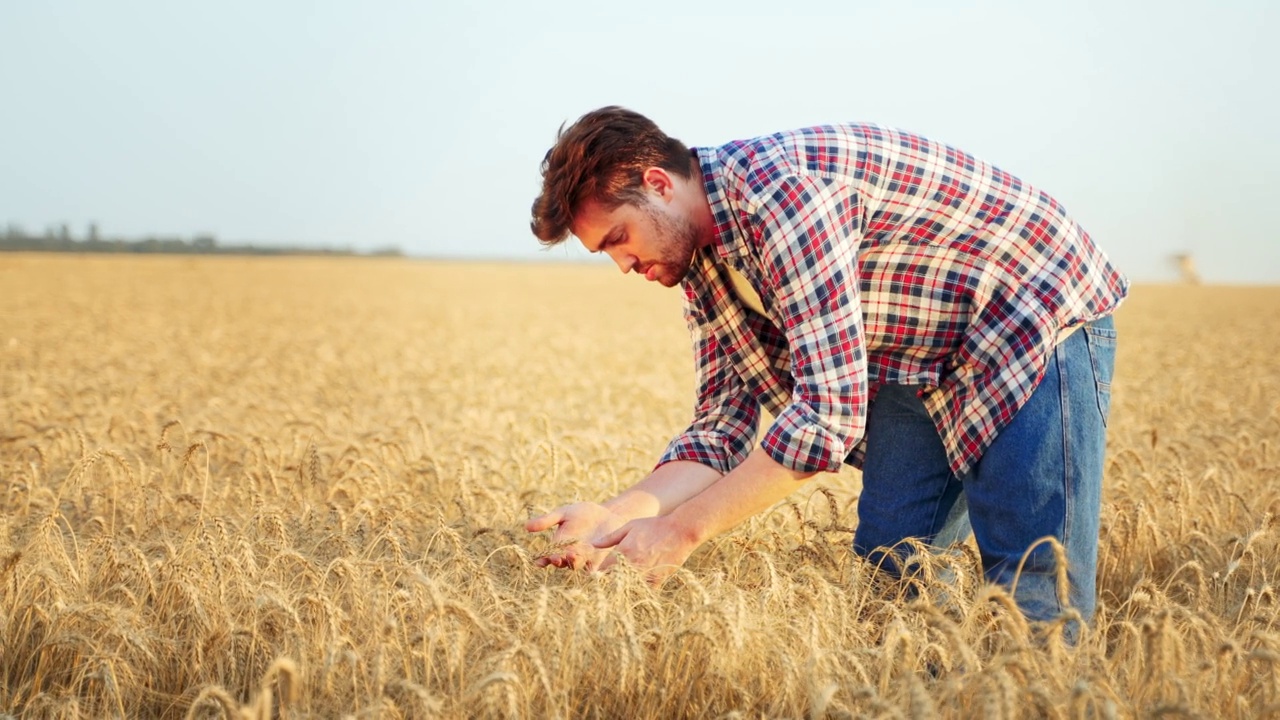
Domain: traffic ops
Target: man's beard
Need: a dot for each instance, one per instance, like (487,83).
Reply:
(680,242)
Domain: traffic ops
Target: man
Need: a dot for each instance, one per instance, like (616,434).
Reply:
(894,302)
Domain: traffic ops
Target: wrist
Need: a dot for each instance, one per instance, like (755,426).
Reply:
(688,528)
(631,505)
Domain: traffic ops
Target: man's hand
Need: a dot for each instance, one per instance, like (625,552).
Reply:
(659,545)
(655,545)
(576,525)
(675,509)
(580,523)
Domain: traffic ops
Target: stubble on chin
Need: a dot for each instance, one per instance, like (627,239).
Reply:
(679,276)
(682,264)
(676,269)
(683,237)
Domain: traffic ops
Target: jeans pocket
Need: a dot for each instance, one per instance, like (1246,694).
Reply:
(1101,337)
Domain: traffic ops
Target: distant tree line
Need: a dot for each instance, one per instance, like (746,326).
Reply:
(60,239)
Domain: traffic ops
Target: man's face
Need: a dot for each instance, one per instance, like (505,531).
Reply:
(652,236)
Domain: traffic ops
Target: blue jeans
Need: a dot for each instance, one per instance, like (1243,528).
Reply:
(1042,476)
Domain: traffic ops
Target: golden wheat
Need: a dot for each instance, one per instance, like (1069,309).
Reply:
(252,488)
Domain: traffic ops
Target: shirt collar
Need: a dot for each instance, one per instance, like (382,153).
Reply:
(729,242)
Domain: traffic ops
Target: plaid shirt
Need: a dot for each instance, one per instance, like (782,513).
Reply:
(880,257)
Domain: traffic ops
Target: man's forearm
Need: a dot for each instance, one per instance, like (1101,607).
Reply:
(663,490)
(750,488)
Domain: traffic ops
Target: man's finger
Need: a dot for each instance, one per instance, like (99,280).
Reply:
(659,575)
(609,561)
(543,522)
(613,538)
(568,560)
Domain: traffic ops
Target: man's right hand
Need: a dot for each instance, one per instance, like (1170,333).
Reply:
(576,526)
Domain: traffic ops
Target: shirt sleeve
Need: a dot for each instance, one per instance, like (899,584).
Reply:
(810,230)
(725,416)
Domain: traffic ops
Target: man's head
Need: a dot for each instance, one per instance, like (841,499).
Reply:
(624,187)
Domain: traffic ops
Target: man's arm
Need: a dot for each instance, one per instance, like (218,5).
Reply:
(577,524)
(811,229)
(663,490)
(661,544)
(726,415)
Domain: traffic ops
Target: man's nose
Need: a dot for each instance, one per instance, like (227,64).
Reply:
(626,262)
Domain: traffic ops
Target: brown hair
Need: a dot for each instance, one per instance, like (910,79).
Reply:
(601,157)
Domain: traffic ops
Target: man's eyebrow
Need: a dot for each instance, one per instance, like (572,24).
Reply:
(609,237)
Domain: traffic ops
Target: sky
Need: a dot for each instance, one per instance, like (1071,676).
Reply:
(421,124)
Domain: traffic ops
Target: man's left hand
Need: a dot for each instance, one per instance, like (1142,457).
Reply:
(656,545)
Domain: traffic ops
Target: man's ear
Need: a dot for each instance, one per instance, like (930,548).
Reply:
(659,181)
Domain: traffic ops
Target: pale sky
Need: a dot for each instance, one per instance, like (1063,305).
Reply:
(421,124)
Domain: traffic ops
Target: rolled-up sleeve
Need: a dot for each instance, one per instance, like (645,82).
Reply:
(725,415)
(810,229)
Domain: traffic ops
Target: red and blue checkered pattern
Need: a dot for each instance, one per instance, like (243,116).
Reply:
(880,257)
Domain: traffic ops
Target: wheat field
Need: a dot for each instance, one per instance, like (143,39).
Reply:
(294,487)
